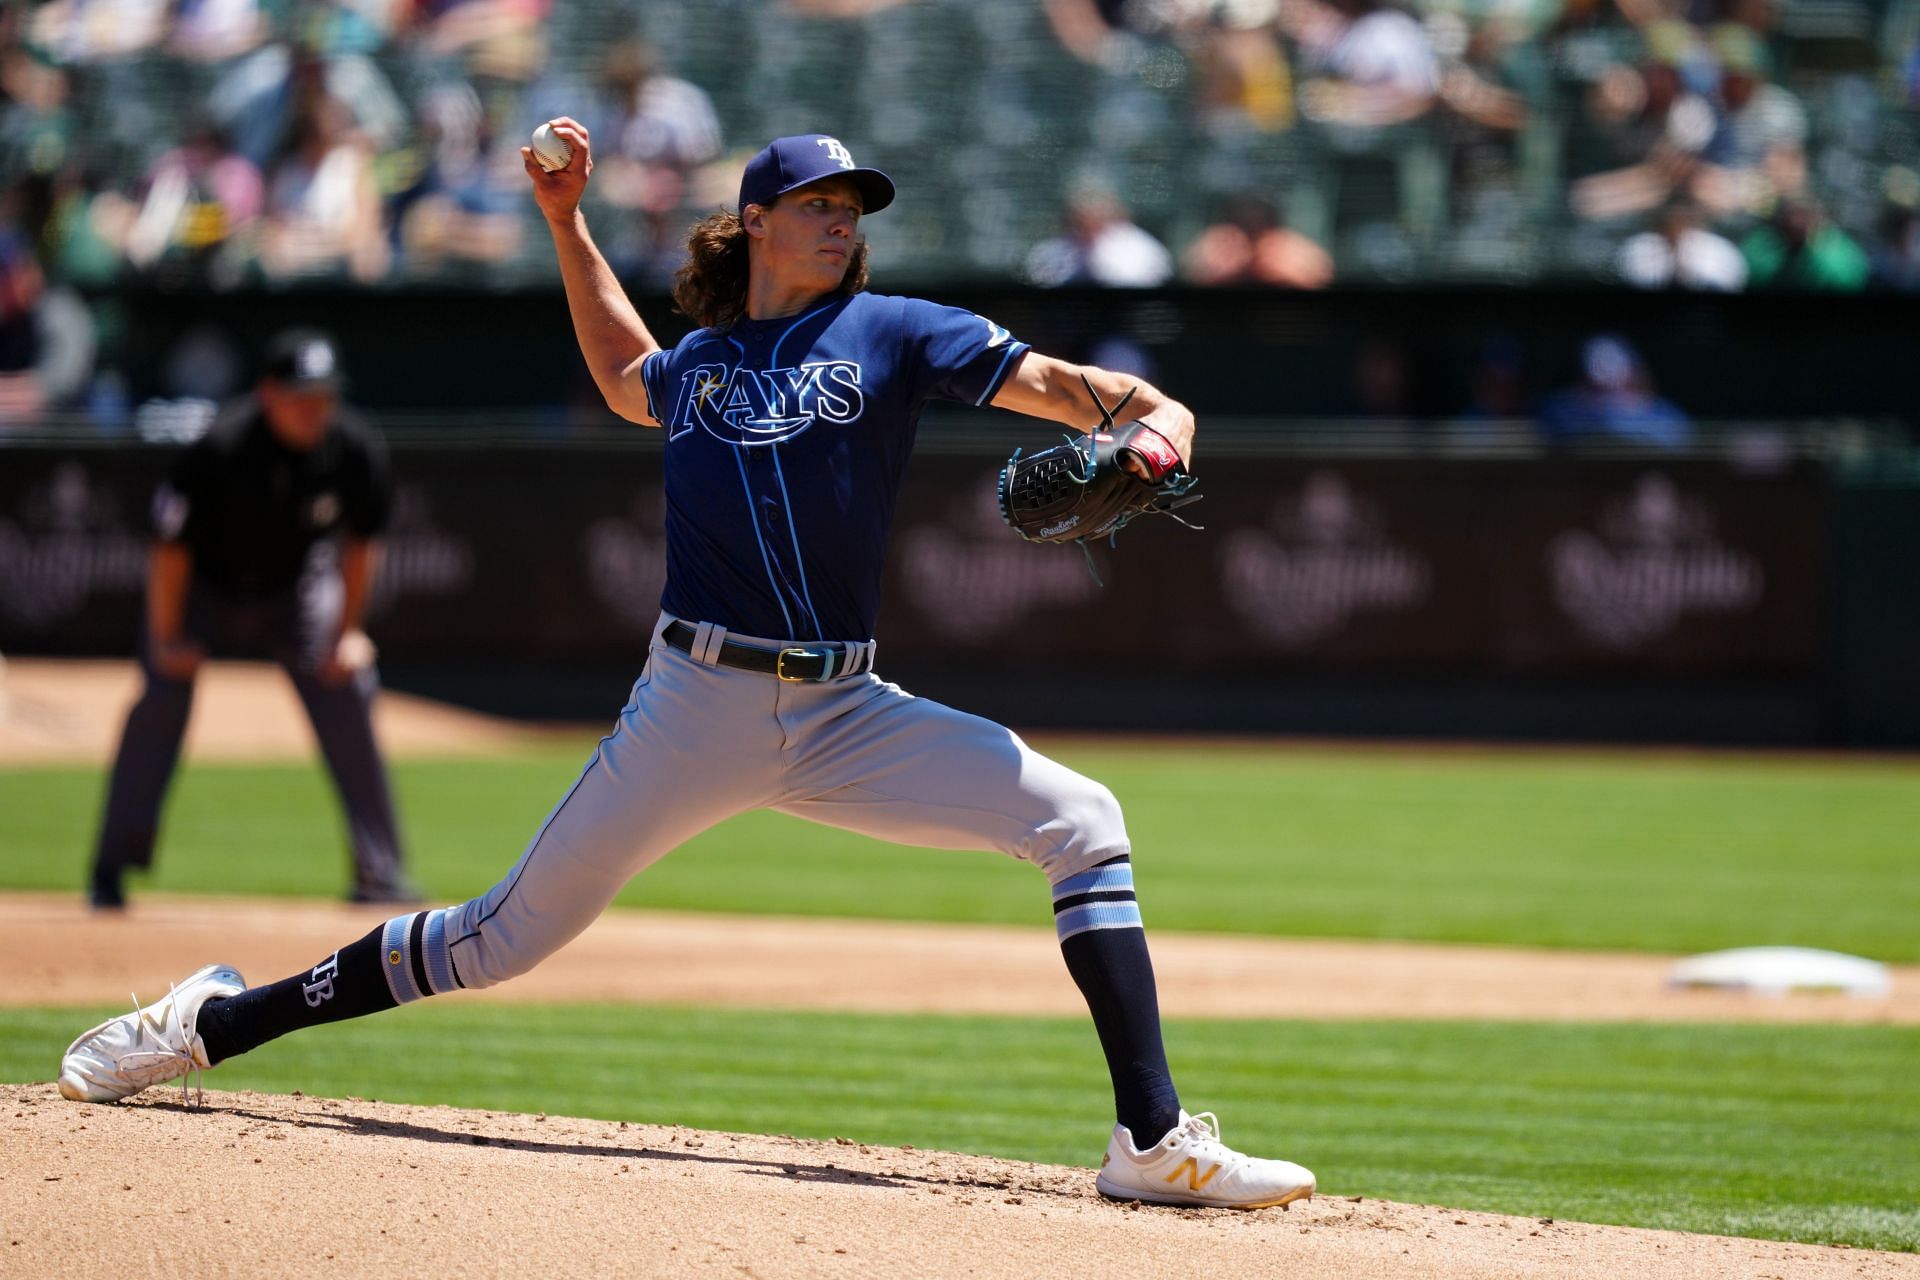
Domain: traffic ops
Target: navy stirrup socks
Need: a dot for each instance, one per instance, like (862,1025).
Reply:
(1105,945)
(350,983)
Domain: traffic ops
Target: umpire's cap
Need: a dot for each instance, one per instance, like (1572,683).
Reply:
(786,163)
(304,359)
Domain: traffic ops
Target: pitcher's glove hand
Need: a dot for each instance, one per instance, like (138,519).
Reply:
(1088,488)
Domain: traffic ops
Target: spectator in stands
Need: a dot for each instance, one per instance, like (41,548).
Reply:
(1614,400)
(196,199)
(1241,77)
(216,30)
(1250,244)
(1756,115)
(1657,118)
(498,46)
(1497,387)
(258,99)
(1680,252)
(335,29)
(1896,263)
(660,130)
(1100,245)
(83,234)
(46,334)
(1382,379)
(22,395)
(323,209)
(1101,32)
(36,122)
(457,210)
(1373,64)
(80,32)
(1757,153)
(1799,248)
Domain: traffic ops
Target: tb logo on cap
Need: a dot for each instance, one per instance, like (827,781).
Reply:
(836,151)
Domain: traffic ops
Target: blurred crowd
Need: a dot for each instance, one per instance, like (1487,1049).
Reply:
(1688,144)
(1695,144)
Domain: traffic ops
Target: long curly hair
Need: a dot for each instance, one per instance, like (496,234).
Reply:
(711,287)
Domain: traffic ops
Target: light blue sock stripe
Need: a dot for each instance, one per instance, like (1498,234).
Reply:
(393,940)
(1098,915)
(1117,876)
(439,958)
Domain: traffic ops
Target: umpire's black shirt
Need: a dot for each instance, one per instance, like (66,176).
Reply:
(250,509)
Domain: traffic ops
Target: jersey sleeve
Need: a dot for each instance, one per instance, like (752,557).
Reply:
(960,356)
(367,493)
(653,380)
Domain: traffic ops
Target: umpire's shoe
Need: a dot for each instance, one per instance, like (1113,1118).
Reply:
(1191,1166)
(151,1045)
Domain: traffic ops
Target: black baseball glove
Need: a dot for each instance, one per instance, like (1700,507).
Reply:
(1083,489)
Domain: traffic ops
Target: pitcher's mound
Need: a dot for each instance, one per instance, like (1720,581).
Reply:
(293,1186)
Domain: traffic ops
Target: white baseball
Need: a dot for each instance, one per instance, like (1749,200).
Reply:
(550,150)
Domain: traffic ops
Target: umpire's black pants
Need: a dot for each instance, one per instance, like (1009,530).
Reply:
(291,628)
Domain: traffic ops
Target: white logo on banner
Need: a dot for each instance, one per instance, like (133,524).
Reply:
(627,563)
(1327,558)
(1653,560)
(68,544)
(978,584)
(417,556)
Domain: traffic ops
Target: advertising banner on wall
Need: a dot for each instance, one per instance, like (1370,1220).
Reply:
(1417,567)
(1536,565)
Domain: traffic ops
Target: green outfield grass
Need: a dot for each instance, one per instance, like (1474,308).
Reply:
(1610,850)
(1801,1133)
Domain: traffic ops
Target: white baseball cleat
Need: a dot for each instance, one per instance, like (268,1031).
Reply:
(1191,1166)
(149,1046)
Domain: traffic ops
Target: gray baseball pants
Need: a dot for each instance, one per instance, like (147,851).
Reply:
(698,743)
(290,628)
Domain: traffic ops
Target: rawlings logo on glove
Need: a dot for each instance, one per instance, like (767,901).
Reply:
(1085,489)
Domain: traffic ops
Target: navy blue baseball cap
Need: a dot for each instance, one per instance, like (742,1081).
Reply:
(786,163)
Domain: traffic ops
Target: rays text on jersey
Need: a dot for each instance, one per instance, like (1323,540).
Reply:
(766,406)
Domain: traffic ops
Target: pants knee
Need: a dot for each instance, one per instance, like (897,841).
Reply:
(483,956)
(490,941)
(481,965)
(1088,830)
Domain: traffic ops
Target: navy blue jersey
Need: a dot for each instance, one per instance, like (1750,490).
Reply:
(786,443)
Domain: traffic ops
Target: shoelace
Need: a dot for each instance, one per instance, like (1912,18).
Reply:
(1205,1127)
(162,1066)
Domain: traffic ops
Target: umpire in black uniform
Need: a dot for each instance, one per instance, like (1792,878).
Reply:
(265,548)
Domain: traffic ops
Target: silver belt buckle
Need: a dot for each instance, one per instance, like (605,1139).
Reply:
(827,664)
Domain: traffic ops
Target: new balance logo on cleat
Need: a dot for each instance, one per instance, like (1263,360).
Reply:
(1191,1166)
(1195,1179)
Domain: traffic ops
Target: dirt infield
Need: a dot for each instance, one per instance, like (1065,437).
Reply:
(69,711)
(64,954)
(283,1186)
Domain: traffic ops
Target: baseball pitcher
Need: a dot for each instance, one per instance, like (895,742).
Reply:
(789,412)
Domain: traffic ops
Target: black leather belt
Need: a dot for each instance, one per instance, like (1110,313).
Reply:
(819,661)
